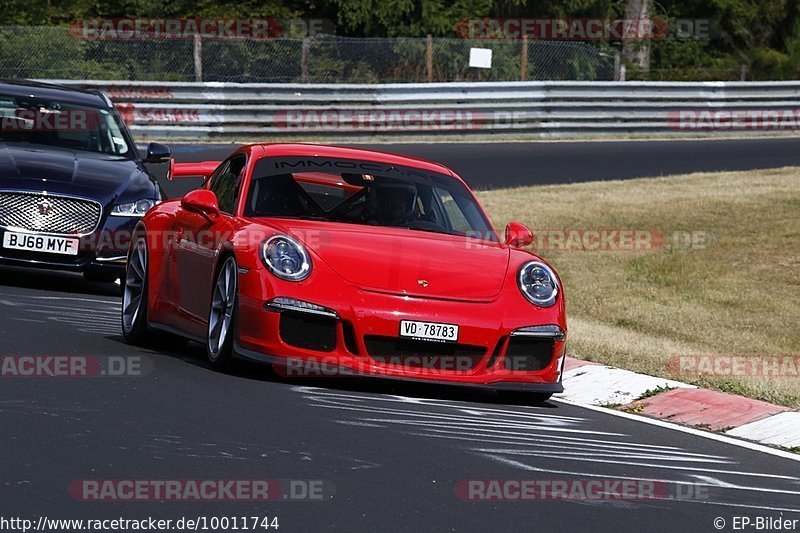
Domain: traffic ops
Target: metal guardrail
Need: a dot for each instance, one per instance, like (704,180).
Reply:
(230,111)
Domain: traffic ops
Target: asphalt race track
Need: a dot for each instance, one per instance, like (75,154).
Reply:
(495,165)
(389,455)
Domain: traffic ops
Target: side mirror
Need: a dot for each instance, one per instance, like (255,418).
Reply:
(202,201)
(157,153)
(518,235)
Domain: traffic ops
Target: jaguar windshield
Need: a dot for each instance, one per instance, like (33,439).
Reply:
(61,125)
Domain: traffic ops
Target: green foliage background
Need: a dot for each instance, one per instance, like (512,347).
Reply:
(761,35)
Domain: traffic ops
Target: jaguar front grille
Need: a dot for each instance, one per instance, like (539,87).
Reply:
(45,213)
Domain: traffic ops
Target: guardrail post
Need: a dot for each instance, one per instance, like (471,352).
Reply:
(198,58)
(523,61)
(429,58)
(304,60)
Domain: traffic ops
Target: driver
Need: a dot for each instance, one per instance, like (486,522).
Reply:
(393,203)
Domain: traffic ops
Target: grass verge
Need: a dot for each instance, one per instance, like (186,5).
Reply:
(725,283)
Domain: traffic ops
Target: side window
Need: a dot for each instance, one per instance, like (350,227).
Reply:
(225,183)
(223,168)
(458,220)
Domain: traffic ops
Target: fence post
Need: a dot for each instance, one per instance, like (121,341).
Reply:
(198,58)
(304,60)
(429,57)
(617,67)
(523,66)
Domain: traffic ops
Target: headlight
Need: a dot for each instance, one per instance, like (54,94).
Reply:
(133,209)
(286,258)
(538,283)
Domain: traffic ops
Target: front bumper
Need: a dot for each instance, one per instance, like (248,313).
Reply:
(284,367)
(362,337)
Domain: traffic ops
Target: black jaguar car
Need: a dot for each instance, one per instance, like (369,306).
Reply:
(72,182)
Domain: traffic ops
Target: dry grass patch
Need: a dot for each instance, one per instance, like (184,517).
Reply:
(736,293)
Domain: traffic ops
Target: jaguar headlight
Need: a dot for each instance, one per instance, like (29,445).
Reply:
(538,283)
(286,258)
(133,209)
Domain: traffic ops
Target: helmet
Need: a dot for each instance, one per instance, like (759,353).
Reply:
(392,202)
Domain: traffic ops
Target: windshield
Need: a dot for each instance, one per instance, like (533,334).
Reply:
(64,125)
(367,193)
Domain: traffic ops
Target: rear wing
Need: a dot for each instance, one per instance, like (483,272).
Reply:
(191,170)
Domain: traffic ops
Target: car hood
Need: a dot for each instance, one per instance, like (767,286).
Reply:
(406,262)
(97,176)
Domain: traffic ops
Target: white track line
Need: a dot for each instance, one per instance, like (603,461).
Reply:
(523,466)
(691,431)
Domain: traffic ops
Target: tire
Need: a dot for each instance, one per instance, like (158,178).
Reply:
(222,315)
(134,295)
(523,397)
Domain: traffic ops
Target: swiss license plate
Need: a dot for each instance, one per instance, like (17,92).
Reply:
(429,331)
(32,242)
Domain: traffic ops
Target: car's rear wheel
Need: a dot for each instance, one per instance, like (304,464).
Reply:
(222,316)
(134,295)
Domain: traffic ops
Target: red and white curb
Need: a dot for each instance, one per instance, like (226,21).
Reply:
(587,383)
(782,430)
(604,385)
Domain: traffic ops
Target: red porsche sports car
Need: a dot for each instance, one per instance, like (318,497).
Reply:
(365,262)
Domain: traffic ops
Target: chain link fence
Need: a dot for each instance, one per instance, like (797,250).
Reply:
(56,53)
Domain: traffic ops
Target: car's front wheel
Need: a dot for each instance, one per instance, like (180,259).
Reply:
(134,295)
(222,315)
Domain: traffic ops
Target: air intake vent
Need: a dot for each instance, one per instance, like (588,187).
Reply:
(527,354)
(310,332)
